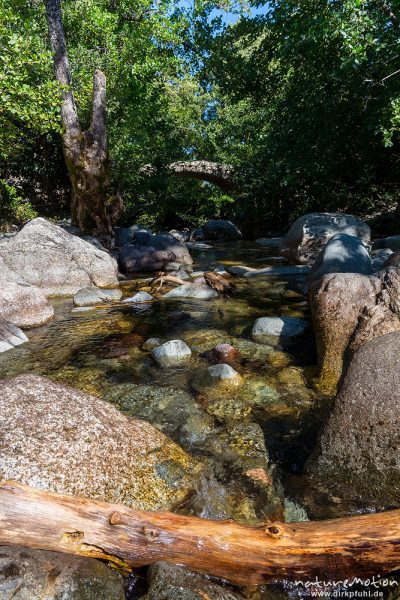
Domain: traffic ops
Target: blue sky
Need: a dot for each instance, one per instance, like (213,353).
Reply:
(230,17)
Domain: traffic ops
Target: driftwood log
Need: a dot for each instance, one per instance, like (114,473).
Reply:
(219,283)
(359,546)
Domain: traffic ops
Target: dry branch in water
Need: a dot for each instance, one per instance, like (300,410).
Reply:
(360,546)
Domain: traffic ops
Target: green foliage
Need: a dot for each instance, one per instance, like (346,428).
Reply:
(13,207)
(303,100)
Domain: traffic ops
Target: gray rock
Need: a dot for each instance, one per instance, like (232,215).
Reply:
(152,343)
(270,242)
(125,235)
(60,264)
(267,329)
(172,353)
(198,290)
(197,235)
(10,336)
(342,254)
(22,304)
(198,246)
(56,438)
(284,271)
(139,298)
(393,260)
(182,236)
(225,374)
(169,582)
(359,446)
(392,242)
(309,234)
(27,574)
(134,258)
(91,296)
(171,244)
(181,275)
(218,229)
(379,258)
(173,266)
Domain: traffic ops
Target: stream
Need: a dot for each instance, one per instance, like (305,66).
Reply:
(253,440)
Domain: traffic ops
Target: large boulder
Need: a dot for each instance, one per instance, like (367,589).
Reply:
(309,234)
(392,243)
(27,574)
(359,446)
(22,304)
(10,336)
(56,438)
(134,258)
(60,264)
(337,302)
(165,241)
(343,253)
(218,229)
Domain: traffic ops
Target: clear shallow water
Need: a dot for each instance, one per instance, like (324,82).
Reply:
(252,440)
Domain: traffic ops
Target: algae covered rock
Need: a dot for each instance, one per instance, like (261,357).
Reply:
(27,574)
(56,438)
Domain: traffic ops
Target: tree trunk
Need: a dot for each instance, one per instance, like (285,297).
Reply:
(359,546)
(205,170)
(93,206)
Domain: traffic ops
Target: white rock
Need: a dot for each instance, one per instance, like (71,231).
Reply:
(201,291)
(225,374)
(171,353)
(267,328)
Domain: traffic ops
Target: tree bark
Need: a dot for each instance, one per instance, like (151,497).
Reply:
(205,170)
(359,546)
(94,207)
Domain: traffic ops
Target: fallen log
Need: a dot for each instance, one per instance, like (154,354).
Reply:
(359,546)
(219,283)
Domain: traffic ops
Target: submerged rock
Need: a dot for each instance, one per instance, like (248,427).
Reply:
(225,353)
(56,438)
(10,336)
(169,582)
(223,374)
(139,298)
(198,290)
(152,343)
(267,329)
(22,304)
(359,446)
(27,574)
(60,264)
(171,354)
(309,234)
(91,296)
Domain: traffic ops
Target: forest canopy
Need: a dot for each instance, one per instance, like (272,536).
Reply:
(301,98)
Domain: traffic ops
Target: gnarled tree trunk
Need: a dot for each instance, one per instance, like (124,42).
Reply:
(94,207)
